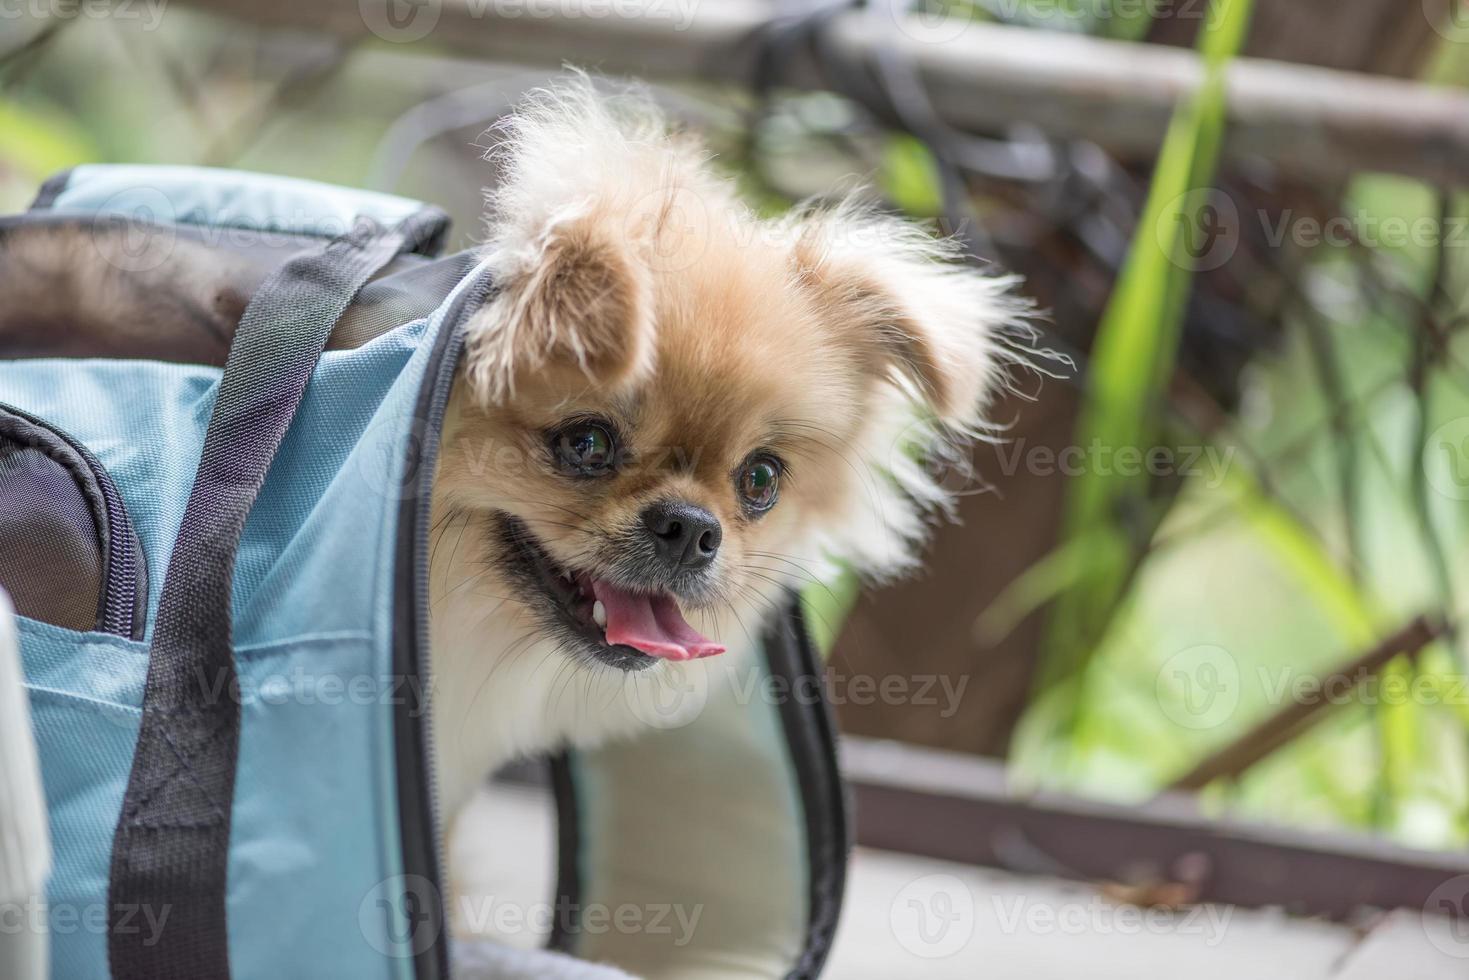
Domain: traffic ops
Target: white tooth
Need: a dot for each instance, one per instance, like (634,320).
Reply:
(599,614)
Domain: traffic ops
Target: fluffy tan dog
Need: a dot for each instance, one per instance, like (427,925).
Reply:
(672,413)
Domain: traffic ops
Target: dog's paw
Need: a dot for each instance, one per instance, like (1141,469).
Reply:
(479,959)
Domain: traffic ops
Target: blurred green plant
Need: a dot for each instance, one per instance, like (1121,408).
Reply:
(35,143)
(1109,516)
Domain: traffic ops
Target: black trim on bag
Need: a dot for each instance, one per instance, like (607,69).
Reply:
(418,818)
(122,601)
(569,877)
(811,735)
(51,190)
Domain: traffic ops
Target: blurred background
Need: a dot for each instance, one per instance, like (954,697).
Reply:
(1218,544)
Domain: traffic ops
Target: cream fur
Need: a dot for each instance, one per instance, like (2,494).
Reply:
(854,336)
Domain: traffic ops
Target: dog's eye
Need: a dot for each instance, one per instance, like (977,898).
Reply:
(759,482)
(585,448)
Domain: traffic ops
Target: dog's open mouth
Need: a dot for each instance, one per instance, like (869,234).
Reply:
(621,627)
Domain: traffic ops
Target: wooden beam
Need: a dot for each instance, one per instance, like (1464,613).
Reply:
(1309,707)
(961,808)
(1313,122)
(957,807)
(1385,37)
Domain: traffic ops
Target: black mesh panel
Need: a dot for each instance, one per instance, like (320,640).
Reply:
(50,545)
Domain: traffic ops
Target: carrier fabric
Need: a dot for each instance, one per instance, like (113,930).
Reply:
(313,602)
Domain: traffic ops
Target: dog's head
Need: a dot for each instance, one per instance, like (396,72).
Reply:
(672,409)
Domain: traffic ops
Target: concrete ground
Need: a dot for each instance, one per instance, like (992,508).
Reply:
(909,917)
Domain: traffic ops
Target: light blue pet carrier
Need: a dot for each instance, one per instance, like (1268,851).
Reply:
(220,399)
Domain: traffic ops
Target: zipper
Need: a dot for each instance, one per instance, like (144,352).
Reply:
(418,798)
(125,577)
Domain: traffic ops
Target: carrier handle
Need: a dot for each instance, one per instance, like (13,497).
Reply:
(209,197)
(171,847)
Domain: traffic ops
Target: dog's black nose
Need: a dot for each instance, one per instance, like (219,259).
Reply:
(684,536)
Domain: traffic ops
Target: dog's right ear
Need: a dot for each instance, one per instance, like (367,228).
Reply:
(573,307)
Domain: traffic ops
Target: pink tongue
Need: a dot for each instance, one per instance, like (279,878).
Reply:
(652,624)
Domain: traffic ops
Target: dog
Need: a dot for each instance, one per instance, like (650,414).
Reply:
(670,413)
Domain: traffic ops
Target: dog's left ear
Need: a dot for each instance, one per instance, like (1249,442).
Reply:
(916,315)
(572,306)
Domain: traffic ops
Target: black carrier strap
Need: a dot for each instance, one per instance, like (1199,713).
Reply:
(811,733)
(171,847)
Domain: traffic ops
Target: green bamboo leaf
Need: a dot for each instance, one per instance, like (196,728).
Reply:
(1300,552)
(1132,360)
(1042,582)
